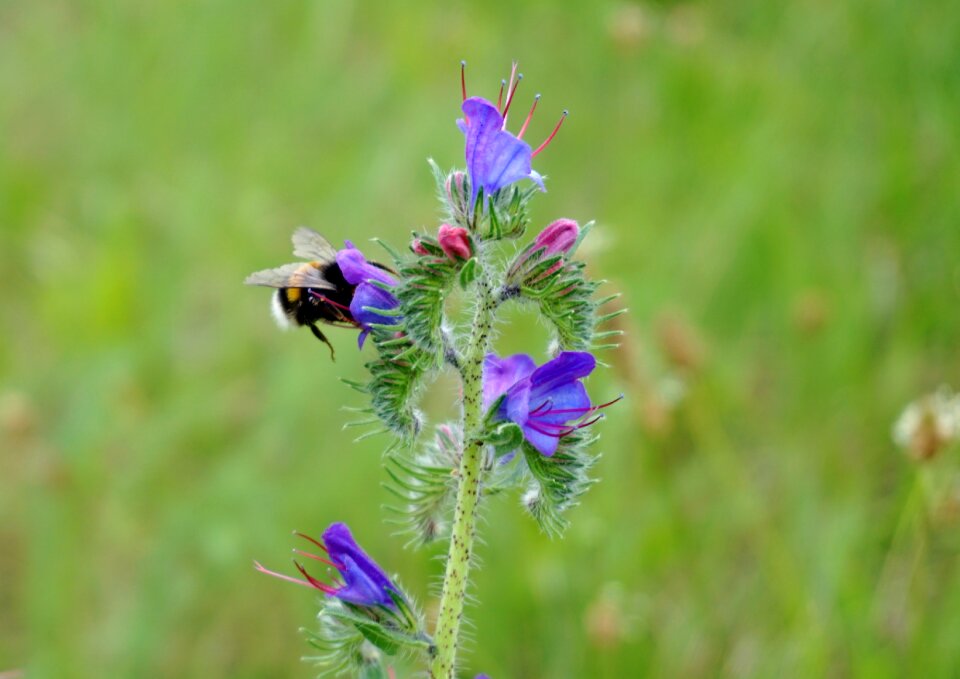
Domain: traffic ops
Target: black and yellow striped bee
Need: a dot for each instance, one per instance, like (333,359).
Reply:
(309,292)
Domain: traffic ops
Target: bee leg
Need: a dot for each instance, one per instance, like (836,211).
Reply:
(323,338)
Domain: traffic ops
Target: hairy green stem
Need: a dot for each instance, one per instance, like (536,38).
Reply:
(468,492)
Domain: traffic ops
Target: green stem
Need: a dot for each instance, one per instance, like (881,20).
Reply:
(468,492)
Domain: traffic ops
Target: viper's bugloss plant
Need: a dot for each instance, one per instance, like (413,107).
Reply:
(525,425)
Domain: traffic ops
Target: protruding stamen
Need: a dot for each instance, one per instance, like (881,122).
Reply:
(316,558)
(552,134)
(513,90)
(610,403)
(463,79)
(526,122)
(503,83)
(557,435)
(555,425)
(590,422)
(310,539)
(587,410)
(267,571)
(323,587)
(513,75)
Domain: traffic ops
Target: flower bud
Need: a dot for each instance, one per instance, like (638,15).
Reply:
(454,185)
(558,237)
(457,188)
(455,242)
(417,247)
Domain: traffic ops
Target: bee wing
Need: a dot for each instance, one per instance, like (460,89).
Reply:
(290,276)
(309,244)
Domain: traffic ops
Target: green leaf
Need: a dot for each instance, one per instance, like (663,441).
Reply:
(506,438)
(379,637)
(469,272)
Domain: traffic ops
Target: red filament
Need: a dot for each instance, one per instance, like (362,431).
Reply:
(526,122)
(552,135)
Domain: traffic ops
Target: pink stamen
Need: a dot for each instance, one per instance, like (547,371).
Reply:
(552,135)
(503,83)
(267,571)
(555,425)
(587,410)
(513,91)
(589,422)
(549,433)
(513,74)
(526,122)
(323,587)
(310,539)
(463,79)
(319,544)
(316,558)
(545,404)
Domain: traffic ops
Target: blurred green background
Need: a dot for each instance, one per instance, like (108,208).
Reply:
(776,192)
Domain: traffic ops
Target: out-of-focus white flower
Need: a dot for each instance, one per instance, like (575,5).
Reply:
(929,424)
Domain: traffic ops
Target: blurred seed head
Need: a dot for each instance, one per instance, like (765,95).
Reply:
(929,424)
(629,26)
(680,342)
(685,25)
(811,311)
(655,399)
(18,416)
(605,619)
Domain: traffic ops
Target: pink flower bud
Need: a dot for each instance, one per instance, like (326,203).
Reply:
(417,247)
(559,237)
(455,242)
(454,183)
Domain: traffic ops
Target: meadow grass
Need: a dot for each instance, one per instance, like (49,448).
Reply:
(776,193)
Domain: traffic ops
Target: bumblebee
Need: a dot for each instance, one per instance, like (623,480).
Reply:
(309,292)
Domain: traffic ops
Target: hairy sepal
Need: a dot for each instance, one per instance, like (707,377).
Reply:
(425,282)
(425,486)
(355,639)
(396,376)
(557,482)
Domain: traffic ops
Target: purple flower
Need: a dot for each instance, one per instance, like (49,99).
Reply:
(495,157)
(361,273)
(364,582)
(544,401)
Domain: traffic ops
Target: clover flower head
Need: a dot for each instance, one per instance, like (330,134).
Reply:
(547,402)
(929,424)
(364,582)
(363,274)
(495,157)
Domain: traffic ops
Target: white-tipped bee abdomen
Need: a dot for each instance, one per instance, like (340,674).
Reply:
(280,315)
